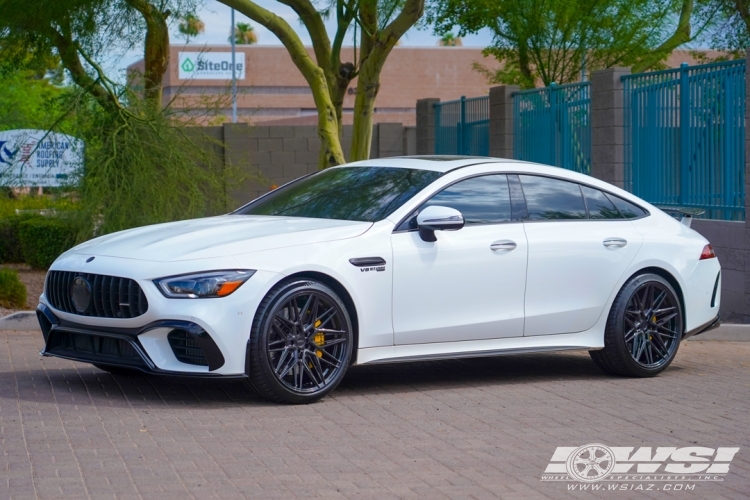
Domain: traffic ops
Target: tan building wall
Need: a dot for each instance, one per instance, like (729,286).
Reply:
(274,92)
(273,89)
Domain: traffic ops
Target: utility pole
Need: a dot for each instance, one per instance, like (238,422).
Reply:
(234,73)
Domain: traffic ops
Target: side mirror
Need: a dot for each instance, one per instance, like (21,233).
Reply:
(437,218)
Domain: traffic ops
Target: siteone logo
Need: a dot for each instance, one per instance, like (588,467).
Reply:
(210,65)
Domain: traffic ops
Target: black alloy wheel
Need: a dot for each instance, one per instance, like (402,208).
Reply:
(301,343)
(644,329)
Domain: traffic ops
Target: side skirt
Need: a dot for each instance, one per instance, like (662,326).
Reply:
(587,340)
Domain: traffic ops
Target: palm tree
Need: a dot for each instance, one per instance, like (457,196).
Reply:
(191,25)
(244,34)
(450,40)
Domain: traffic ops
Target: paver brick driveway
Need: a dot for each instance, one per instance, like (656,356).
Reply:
(483,428)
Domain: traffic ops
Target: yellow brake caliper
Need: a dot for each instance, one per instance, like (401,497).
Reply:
(319,339)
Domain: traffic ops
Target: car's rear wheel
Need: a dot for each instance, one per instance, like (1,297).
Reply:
(644,329)
(300,344)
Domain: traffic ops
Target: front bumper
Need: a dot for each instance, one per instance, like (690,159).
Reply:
(122,347)
(226,320)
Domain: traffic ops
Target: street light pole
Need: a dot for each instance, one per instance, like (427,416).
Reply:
(234,73)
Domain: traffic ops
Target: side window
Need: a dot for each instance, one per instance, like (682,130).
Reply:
(481,200)
(552,199)
(600,207)
(629,210)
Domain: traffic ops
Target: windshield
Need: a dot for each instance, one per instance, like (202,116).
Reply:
(367,194)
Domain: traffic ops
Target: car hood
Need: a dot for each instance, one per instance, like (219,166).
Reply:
(218,237)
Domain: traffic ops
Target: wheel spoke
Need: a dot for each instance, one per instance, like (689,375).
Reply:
(659,341)
(666,332)
(631,334)
(328,315)
(329,343)
(318,368)
(630,322)
(653,332)
(334,363)
(657,349)
(642,299)
(310,374)
(298,362)
(659,300)
(293,362)
(280,330)
(326,330)
(649,353)
(306,309)
(663,321)
(641,348)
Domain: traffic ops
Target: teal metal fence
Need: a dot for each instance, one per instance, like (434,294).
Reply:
(552,125)
(684,137)
(462,127)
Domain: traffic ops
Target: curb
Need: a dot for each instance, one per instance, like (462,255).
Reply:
(22,320)
(728,332)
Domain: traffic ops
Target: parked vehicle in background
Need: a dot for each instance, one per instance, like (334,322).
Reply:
(384,261)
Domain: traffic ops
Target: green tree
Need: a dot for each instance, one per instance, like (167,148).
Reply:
(29,100)
(143,165)
(730,30)
(84,34)
(379,23)
(191,26)
(554,40)
(450,40)
(244,34)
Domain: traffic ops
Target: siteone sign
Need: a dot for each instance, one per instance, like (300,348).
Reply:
(210,65)
(38,158)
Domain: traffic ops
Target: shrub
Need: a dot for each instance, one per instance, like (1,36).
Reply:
(12,291)
(10,243)
(44,239)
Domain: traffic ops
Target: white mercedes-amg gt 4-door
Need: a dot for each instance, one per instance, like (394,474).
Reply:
(388,260)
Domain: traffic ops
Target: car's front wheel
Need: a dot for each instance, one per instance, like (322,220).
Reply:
(300,344)
(644,329)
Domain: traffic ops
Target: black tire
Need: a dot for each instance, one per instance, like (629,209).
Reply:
(119,370)
(296,353)
(644,329)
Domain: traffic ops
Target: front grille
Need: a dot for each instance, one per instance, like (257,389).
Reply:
(111,296)
(186,348)
(93,348)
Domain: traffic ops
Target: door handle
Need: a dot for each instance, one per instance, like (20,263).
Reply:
(506,245)
(615,242)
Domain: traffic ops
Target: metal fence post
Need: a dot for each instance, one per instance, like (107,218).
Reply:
(552,124)
(684,131)
(461,128)
(729,160)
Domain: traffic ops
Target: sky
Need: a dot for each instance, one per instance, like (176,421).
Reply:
(217,19)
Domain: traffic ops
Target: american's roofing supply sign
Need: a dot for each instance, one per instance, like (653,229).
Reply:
(210,65)
(38,158)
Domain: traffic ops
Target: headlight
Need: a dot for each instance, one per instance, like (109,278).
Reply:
(203,285)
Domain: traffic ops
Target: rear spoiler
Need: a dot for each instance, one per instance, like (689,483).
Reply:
(686,214)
